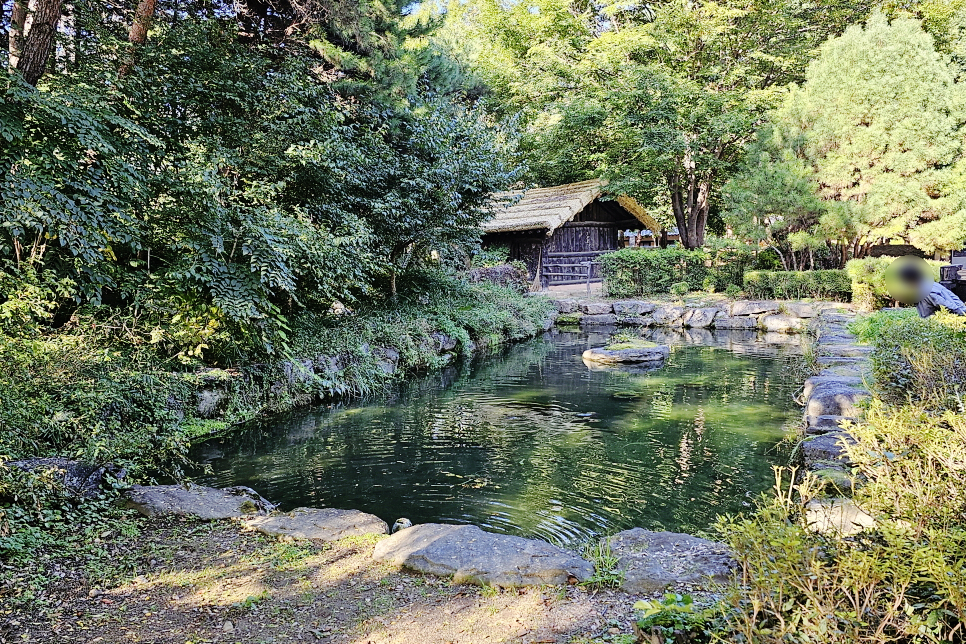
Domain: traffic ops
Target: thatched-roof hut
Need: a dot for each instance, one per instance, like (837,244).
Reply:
(555,231)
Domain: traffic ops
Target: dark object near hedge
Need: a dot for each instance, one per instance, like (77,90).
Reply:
(80,479)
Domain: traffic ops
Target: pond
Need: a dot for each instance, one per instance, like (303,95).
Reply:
(532,442)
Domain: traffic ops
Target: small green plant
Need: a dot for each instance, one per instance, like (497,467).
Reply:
(680,288)
(733,290)
(607,570)
(489,591)
(672,619)
(569,319)
(252,601)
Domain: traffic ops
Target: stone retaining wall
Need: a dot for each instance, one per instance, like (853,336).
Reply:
(771,316)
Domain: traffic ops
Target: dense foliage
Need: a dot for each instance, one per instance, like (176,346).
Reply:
(793,285)
(869,148)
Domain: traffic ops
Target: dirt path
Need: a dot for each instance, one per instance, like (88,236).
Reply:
(194,582)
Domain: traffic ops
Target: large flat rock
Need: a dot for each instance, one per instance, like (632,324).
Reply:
(700,318)
(668,315)
(596,308)
(827,447)
(781,323)
(841,382)
(470,555)
(753,308)
(325,524)
(726,322)
(197,501)
(837,517)
(604,319)
(633,307)
(835,400)
(655,561)
(657,354)
(801,309)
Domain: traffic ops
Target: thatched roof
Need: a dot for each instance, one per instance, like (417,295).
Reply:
(550,208)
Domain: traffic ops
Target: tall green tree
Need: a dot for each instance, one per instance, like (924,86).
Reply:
(878,130)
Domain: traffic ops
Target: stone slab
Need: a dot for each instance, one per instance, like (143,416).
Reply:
(830,381)
(599,320)
(827,447)
(629,356)
(700,318)
(833,400)
(470,555)
(636,320)
(197,501)
(655,561)
(837,516)
(781,323)
(730,322)
(596,308)
(668,315)
(325,524)
(633,307)
(753,307)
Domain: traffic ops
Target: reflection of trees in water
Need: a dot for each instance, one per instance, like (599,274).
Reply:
(532,442)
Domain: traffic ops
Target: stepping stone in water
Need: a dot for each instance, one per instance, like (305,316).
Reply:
(837,516)
(325,524)
(470,555)
(827,447)
(834,400)
(830,381)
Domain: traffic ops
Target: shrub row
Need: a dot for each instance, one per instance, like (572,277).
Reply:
(636,272)
(823,285)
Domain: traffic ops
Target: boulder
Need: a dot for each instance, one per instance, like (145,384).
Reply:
(837,517)
(801,309)
(700,318)
(79,479)
(470,555)
(827,447)
(753,308)
(655,561)
(444,342)
(847,371)
(633,307)
(668,315)
(830,381)
(599,320)
(387,359)
(197,501)
(596,308)
(325,524)
(832,400)
(781,323)
(731,322)
(636,355)
(636,320)
(567,305)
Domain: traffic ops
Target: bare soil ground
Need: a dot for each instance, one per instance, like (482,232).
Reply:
(183,581)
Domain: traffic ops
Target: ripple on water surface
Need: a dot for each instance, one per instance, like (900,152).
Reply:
(532,442)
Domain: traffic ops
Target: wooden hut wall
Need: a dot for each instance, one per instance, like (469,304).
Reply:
(594,231)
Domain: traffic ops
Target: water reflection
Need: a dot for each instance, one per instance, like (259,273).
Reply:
(532,442)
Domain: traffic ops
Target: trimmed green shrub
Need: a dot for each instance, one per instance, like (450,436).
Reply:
(793,285)
(918,360)
(638,271)
(680,288)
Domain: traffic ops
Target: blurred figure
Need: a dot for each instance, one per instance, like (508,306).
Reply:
(909,281)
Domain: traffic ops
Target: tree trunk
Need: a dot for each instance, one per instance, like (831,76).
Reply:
(138,35)
(691,205)
(18,20)
(37,41)
(143,16)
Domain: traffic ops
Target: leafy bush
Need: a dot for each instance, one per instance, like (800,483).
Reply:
(680,288)
(675,618)
(636,271)
(902,580)
(916,359)
(823,285)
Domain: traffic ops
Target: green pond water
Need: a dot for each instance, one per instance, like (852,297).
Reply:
(533,442)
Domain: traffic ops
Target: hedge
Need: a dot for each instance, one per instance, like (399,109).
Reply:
(794,285)
(638,271)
